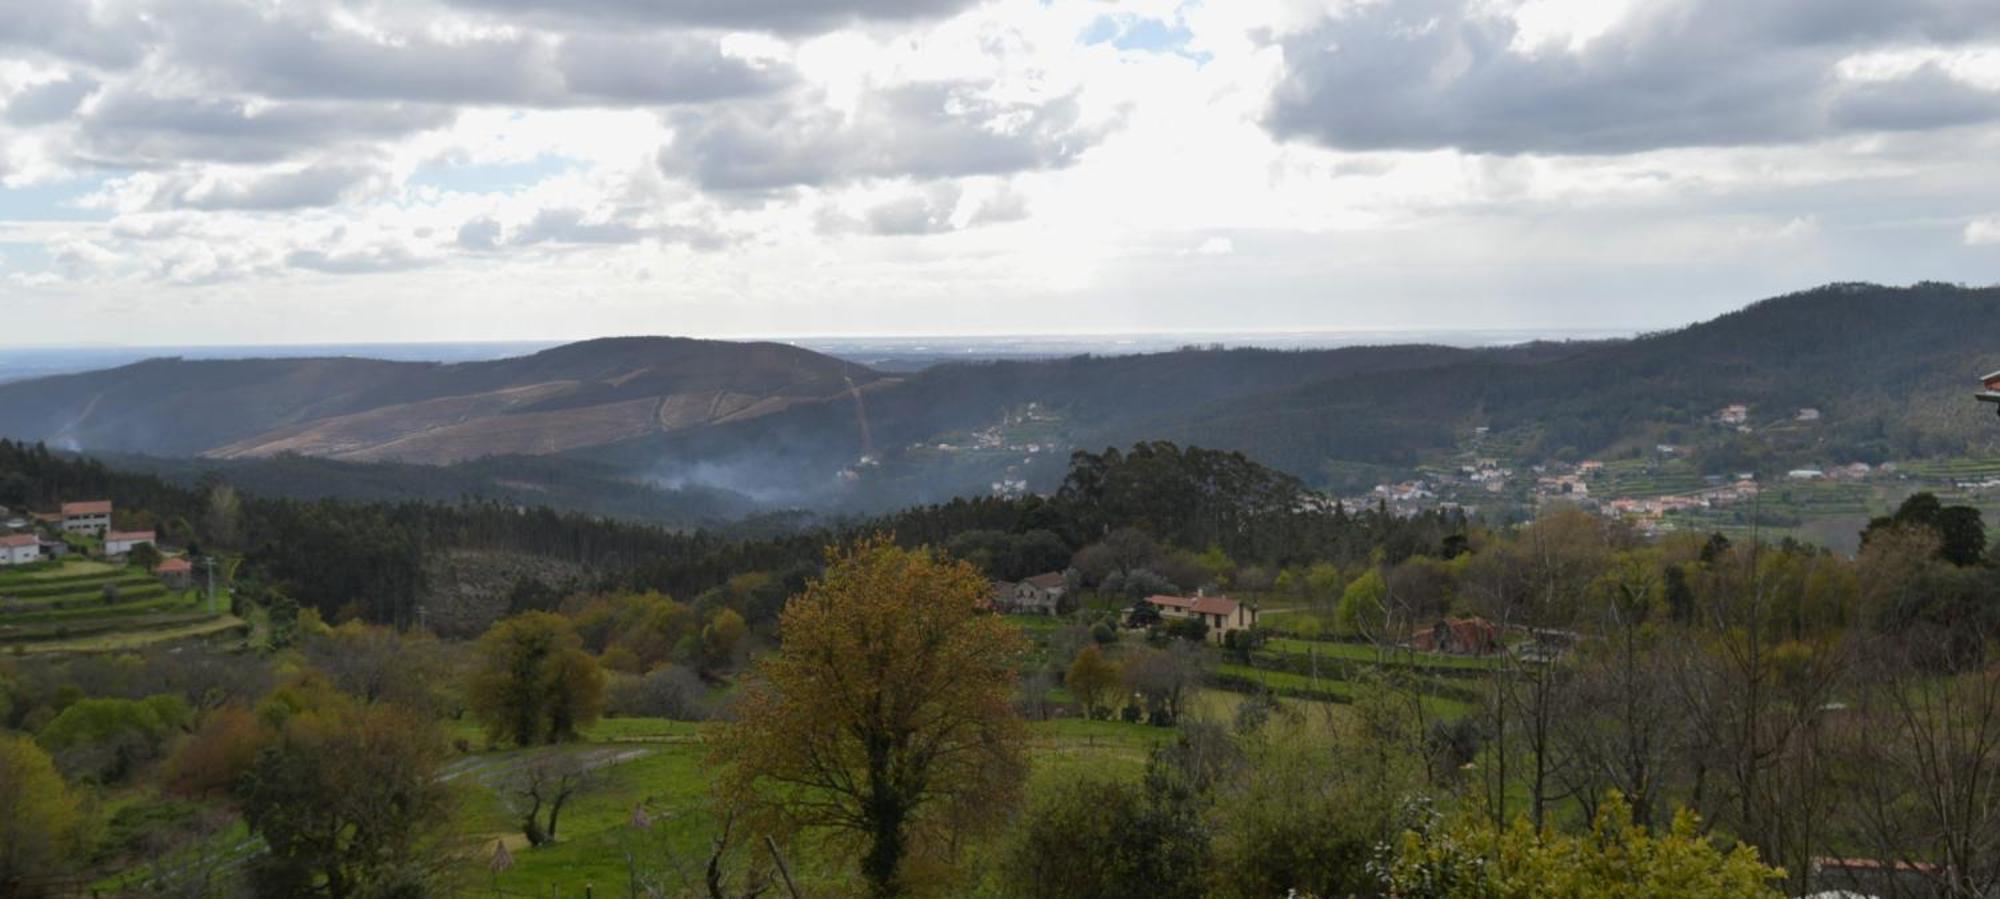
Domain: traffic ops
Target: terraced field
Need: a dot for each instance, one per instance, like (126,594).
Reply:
(86,606)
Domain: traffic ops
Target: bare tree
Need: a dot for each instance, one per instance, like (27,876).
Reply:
(1617,730)
(1920,755)
(539,787)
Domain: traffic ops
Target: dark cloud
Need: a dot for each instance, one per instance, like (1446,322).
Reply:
(920,131)
(317,185)
(482,233)
(77,30)
(297,52)
(660,68)
(49,101)
(792,16)
(1424,74)
(146,131)
(355,262)
(925,213)
(569,226)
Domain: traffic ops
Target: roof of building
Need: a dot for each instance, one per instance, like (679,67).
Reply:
(92,507)
(1049,581)
(1466,631)
(137,536)
(1200,605)
(19,540)
(175,565)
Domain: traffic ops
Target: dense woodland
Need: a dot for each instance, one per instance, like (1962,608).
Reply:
(1689,716)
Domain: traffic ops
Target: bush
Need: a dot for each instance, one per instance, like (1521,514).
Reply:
(669,691)
(105,739)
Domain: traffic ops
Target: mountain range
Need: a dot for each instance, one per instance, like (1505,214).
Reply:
(1888,369)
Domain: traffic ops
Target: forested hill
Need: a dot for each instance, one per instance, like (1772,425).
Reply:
(366,410)
(1889,368)
(378,560)
(1891,371)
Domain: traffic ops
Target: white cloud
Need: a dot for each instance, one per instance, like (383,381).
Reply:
(515,168)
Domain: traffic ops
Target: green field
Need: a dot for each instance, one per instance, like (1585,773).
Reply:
(89,606)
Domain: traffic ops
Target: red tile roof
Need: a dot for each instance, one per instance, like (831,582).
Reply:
(135,536)
(1049,581)
(176,565)
(19,540)
(1200,605)
(94,507)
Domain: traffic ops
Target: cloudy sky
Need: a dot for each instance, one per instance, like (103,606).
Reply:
(301,171)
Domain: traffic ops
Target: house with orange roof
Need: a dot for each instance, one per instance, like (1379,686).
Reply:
(19,549)
(177,572)
(118,543)
(1220,613)
(92,517)
(1458,636)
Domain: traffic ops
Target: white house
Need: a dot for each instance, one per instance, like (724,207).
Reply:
(118,543)
(19,549)
(88,518)
(1042,593)
(1220,613)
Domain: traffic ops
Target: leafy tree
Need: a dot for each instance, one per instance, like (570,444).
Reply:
(1362,604)
(533,681)
(720,638)
(1092,678)
(887,713)
(1300,817)
(1960,530)
(40,831)
(376,664)
(145,556)
(217,753)
(1104,838)
(348,800)
(105,739)
(1474,859)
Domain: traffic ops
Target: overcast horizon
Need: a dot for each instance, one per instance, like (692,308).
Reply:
(233,172)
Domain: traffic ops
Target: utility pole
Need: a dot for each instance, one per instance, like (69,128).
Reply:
(209,563)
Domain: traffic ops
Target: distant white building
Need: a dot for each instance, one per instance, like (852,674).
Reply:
(1805,474)
(118,543)
(20,549)
(1807,414)
(1733,414)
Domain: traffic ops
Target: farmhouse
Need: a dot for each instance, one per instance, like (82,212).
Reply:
(88,517)
(1458,636)
(1220,613)
(1041,594)
(19,549)
(176,572)
(118,543)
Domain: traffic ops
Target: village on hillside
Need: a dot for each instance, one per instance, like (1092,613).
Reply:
(71,578)
(1663,488)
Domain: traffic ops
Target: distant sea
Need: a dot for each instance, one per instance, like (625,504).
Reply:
(888,353)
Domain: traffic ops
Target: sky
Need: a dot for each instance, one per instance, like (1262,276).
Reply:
(321,171)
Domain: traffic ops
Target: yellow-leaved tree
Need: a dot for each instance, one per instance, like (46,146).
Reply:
(1617,859)
(886,717)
